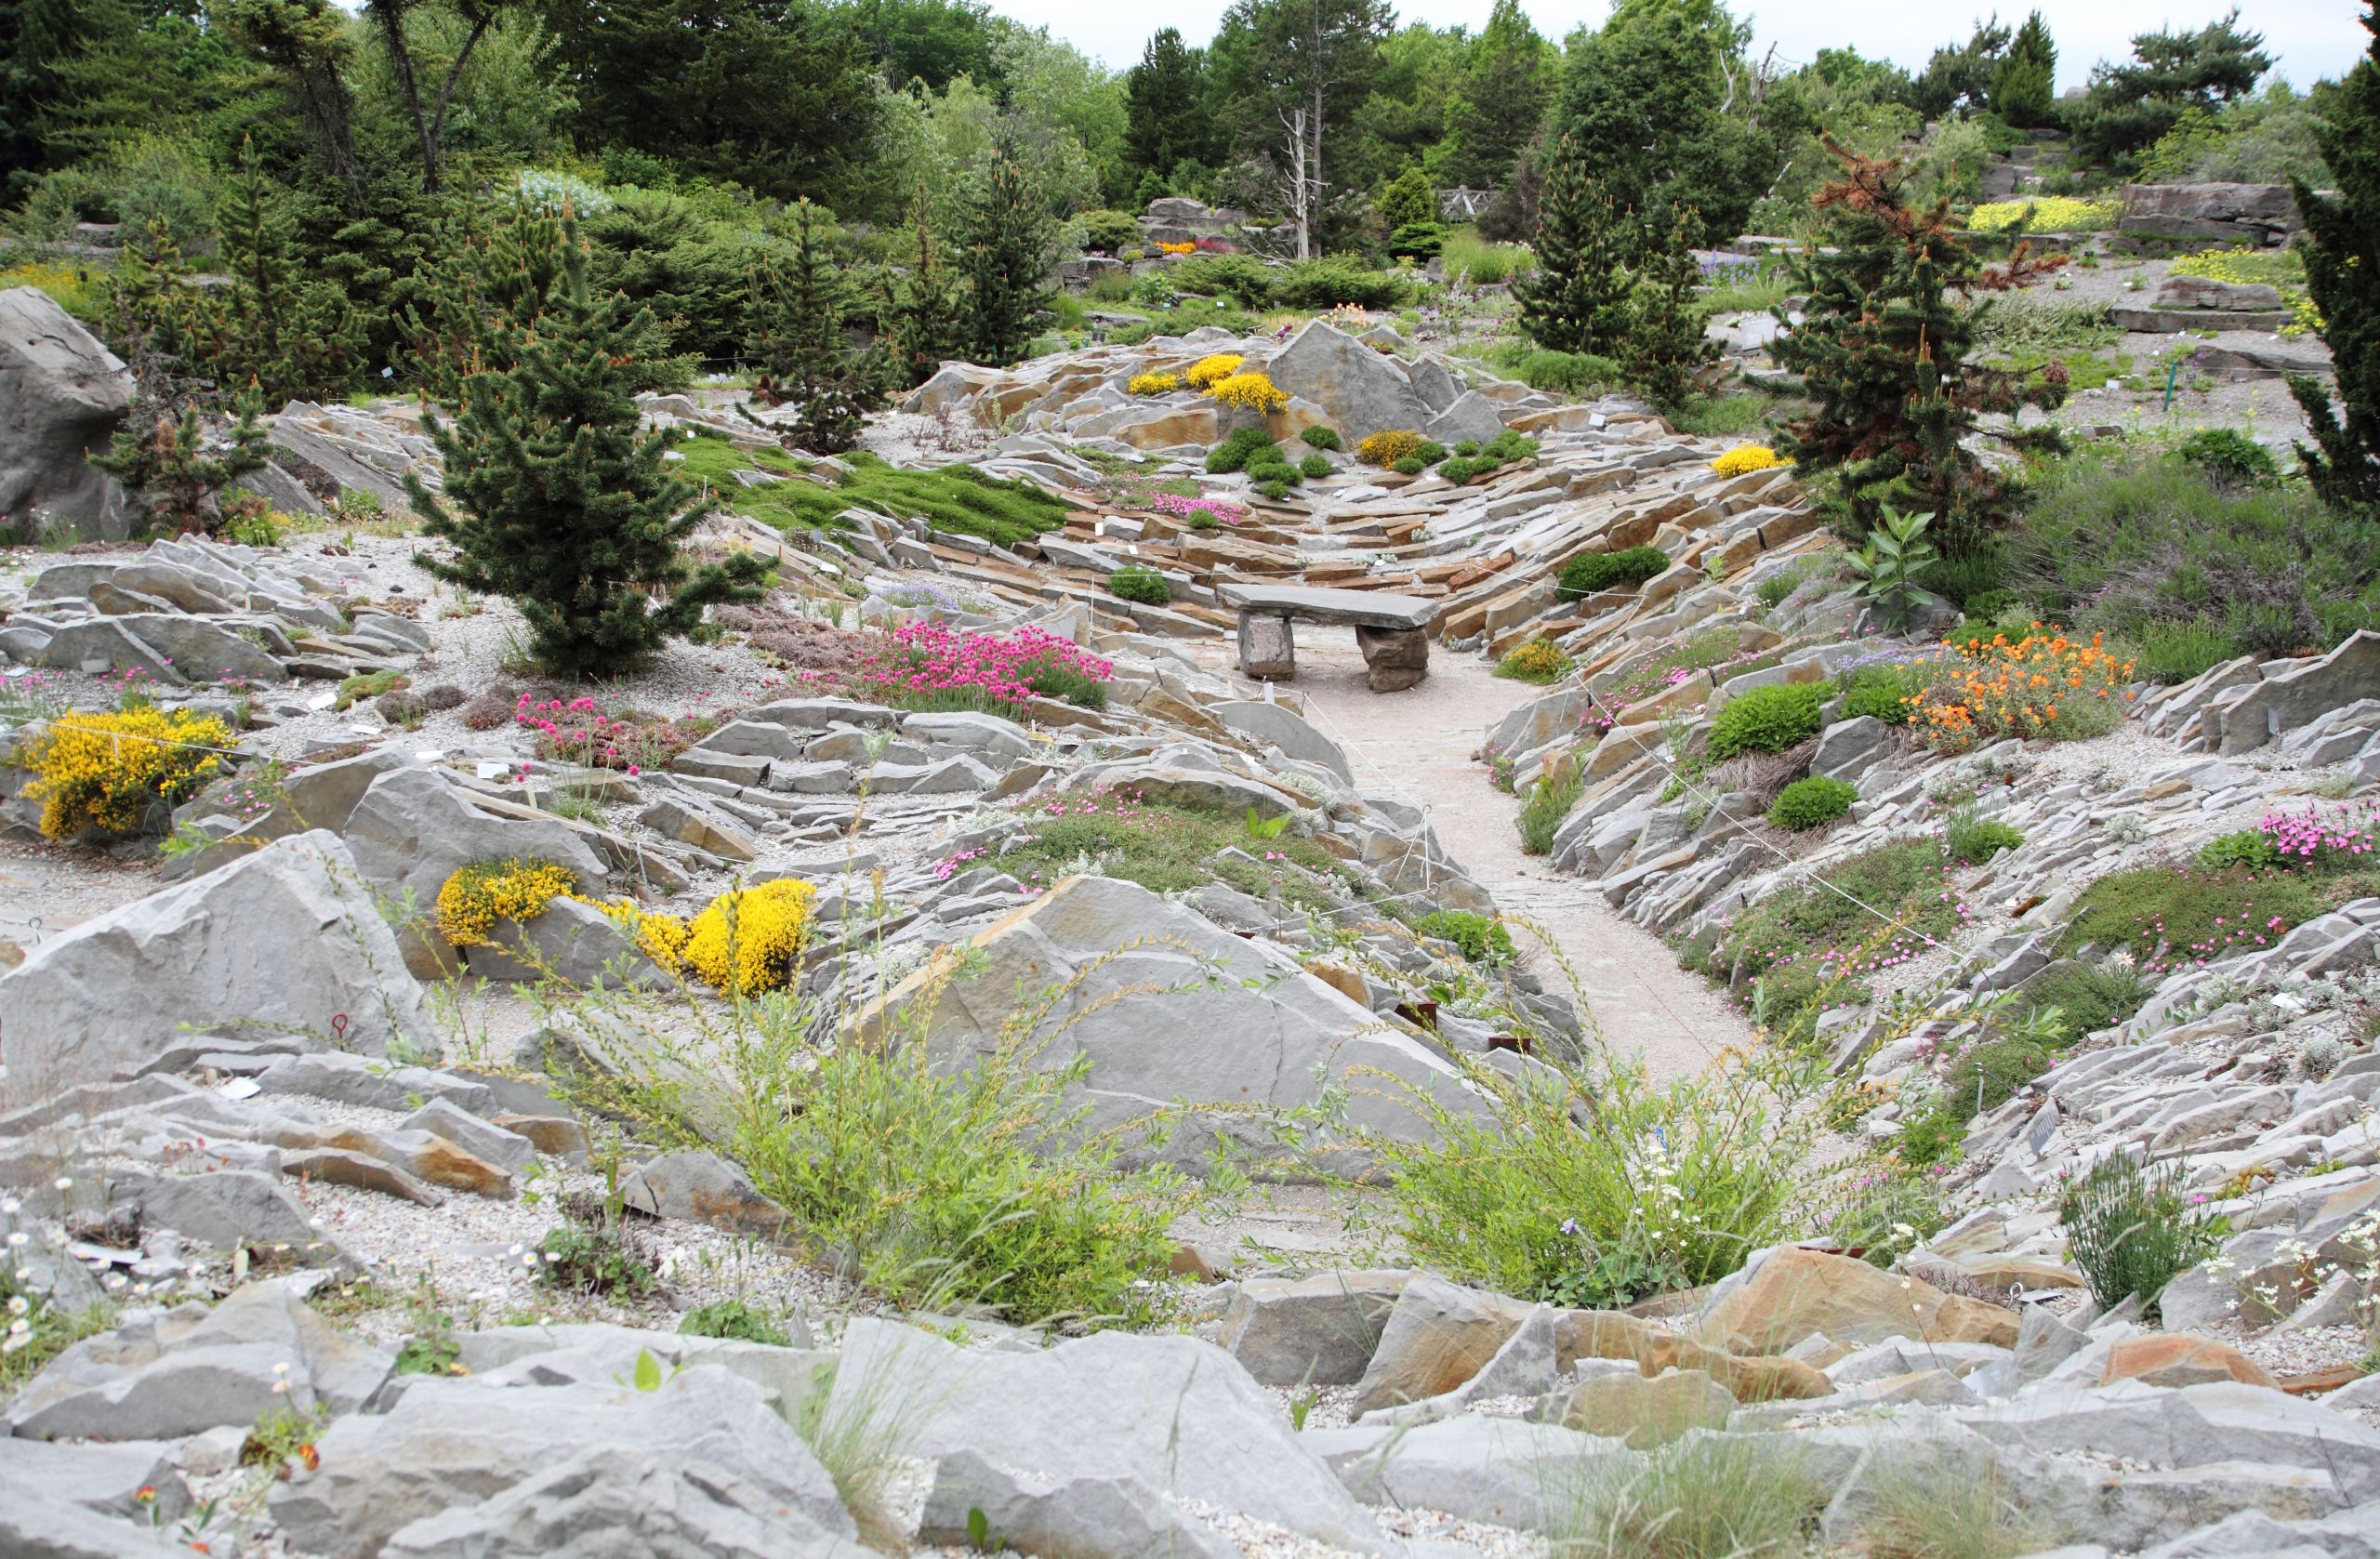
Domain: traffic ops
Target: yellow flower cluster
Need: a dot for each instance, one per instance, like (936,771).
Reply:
(1539,659)
(1387,448)
(743,941)
(2046,213)
(119,771)
(1154,384)
(1207,370)
(1747,458)
(1250,392)
(2246,267)
(1164,248)
(475,898)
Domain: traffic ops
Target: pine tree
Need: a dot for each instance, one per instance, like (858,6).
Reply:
(929,317)
(1576,301)
(798,341)
(2024,90)
(1008,245)
(2342,253)
(1883,353)
(1665,345)
(559,505)
(291,337)
(170,475)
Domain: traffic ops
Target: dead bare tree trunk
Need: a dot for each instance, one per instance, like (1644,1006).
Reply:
(1300,192)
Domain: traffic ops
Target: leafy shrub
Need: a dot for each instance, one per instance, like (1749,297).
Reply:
(1481,938)
(1237,450)
(1747,458)
(1154,384)
(1240,277)
(1485,264)
(1213,369)
(1804,940)
(2132,1229)
(1276,488)
(1770,719)
(1250,392)
(2252,847)
(734,1320)
(1812,802)
(1417,241)
(2140,544)
(1110,232)
(595,1252)
(1138,582)
(1589,571)
(1410,465)
(1314,465)
(1566,373)
(2166,919)
(120,772)
(2088,998)
(1321,436)
(1430,452)
(1336,279)
(1973,840)
(1549,800)
(475,898)
(1388,448)
(1539,660)
(1883,692)
(2229,456)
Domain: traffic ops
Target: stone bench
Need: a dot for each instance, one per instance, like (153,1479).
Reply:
(1393,631)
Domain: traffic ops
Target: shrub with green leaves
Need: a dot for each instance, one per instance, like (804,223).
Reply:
(1973,840)
(1322,436)
(1316,465)
(1330,281)
(1549,800)
(1591,572)
(1881,691)
(1243,278)
(736,1321)
(1141,583)
(1481,938)
(2231,457)
(1770,719)
(1237,449)
(2133,1228)
(2252,847)
(1811,802)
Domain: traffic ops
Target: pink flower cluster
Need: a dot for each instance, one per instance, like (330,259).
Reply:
(1190,508)
(577,722)
(2307,838)
(999,667)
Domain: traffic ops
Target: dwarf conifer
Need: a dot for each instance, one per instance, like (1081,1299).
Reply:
(798,341)
(1576,301)
(2342,253)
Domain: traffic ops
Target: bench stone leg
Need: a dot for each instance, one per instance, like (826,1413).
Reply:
(1267,652)
(1398,657)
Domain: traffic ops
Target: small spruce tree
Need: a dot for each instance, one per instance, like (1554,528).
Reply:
(559,503)
(1008,244)
(2342,254)
(489,276)
(798,340)
(928,316)
(1576,301)
(1665,346)
(288,335)
(1882,350)
(170,476)
(1407,198)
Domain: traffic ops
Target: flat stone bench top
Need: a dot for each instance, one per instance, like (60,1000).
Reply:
(1315,604)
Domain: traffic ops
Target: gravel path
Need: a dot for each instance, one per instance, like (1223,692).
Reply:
(1417,745)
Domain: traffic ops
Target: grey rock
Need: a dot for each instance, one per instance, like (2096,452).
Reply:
(596,1352)
(226,1207)
(2298,696)
(351,1079)
(202,650)
(1471,416)
(571,940)
(1316,603)
(592,1507)
(1849,748)
(1112,1517)
(702,1187)
(1363,391)
(1314,1331)
(106,1477)
(688,821)
(36,1525)
(1507,1472)
(76,645)
(442,1117)
(1177,1414)
(287,941)
(1281,727)
(61,393)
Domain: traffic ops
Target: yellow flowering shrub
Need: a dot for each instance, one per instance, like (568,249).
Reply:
(1165,248)
(1385,449)
(1539,660)
(2043,684)
(1154,384)
(1747,458)
(1250,392)
(661,937)
(1207,370)
(2046,213)
(475,898)
(119,770)
(744,942)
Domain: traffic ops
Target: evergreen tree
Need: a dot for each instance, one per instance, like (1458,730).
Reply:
(1883,353)
(1165,106)
(291,337)
(553,499)
(1008,244)
(2024,91)
(170,475)
(2342,254)
(1665,347)
(35,36)
(1960,75)
(2129,106)
(1499,104)
(1577,299)
(929,315)
(798,341)
(1408,198)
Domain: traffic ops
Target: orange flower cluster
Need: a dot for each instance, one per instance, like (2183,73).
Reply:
(2044,684)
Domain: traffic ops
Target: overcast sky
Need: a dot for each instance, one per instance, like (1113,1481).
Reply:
(2310,38)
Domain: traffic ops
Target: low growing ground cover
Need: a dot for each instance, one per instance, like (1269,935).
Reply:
(1166,848)
(954,498)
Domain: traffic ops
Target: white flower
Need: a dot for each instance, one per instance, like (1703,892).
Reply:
(66,1183)
(16,1305)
